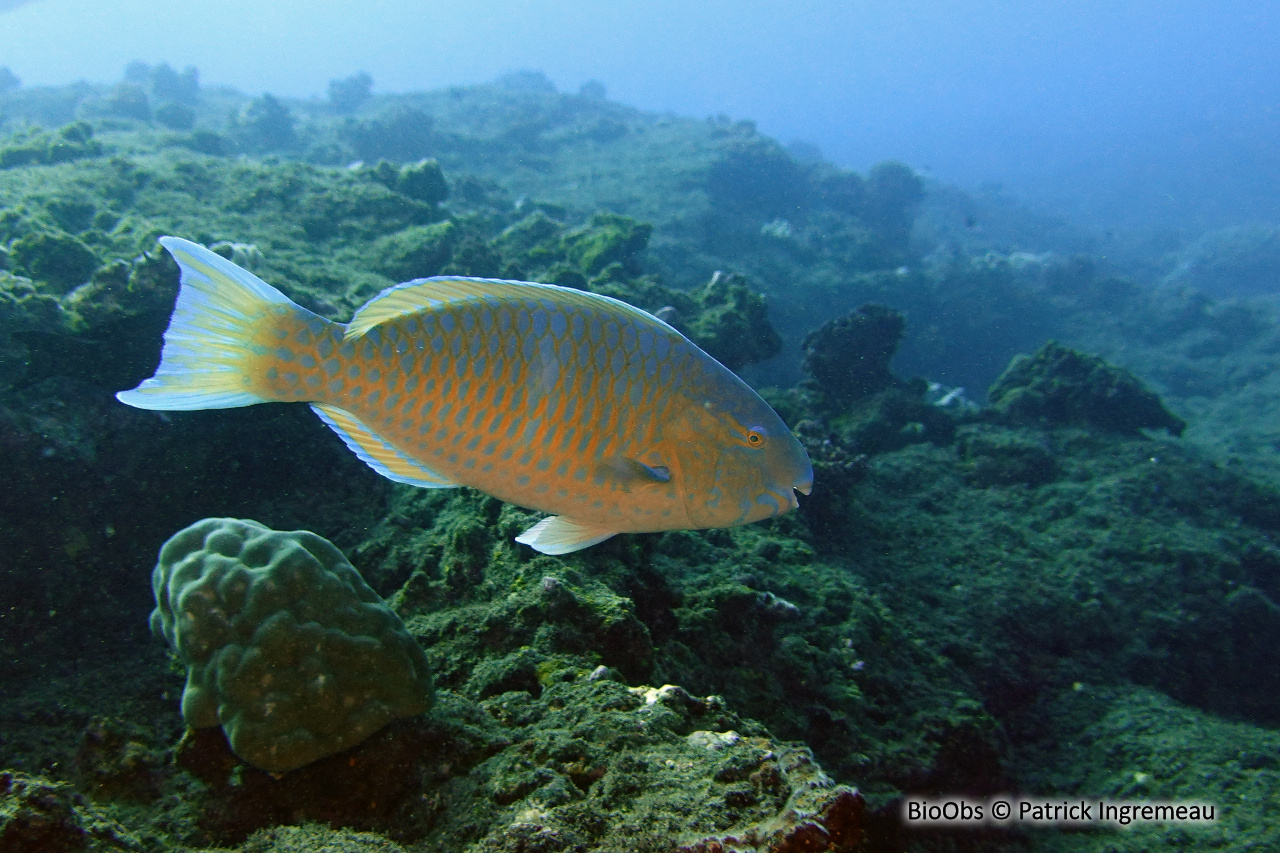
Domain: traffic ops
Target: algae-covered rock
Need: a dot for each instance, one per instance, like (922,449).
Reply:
(893,191)
(756,178)
(595,765)
(245,255)
(38,814)
(423,181)
(348,94)
(285,645)
(522,239)
(416,252)
(115,762)
(1125,744)
(120,291)
(733,323)
(851,402)
(265,124)
(37,146)
(847,359)
(726,317)
(894,419)
(997,456)
(1232,261)
(609,238)
(591,764)
(401,134)
(1063,387)
(474,257)
(54,258)
(318,838)
(175,116)
(24,306)
(129,100)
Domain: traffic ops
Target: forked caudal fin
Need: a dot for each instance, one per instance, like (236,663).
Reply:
(208,342)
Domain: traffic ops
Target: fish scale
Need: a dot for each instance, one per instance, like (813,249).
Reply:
(454,444)
(551,398)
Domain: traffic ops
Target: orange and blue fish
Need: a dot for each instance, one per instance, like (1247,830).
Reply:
(554,399)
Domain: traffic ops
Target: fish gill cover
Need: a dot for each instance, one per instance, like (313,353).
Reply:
(1042,596)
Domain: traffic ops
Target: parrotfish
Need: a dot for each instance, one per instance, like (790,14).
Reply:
(557,400)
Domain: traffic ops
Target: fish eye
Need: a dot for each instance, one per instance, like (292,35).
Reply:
(756,436)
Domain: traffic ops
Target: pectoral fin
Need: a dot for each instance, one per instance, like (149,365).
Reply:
(628,472)
(559,535)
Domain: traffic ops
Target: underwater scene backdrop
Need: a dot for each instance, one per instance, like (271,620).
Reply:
(1038,558)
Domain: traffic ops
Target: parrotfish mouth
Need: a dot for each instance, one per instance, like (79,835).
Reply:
(783,499)
(791,499)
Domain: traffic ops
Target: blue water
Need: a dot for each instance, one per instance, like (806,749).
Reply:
(1118,114)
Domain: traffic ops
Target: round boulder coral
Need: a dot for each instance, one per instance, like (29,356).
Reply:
(286,647)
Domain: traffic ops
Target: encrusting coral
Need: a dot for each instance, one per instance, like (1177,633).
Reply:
(286,647)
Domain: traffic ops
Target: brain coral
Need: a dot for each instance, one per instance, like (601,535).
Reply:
(286,647)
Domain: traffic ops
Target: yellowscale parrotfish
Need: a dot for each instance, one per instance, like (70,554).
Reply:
(554,399)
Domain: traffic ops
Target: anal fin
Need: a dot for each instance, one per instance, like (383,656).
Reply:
(559,535)
(375,452)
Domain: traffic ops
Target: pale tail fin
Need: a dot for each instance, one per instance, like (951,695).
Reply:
(208,340)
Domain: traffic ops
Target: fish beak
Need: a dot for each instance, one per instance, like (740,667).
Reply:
(806,483)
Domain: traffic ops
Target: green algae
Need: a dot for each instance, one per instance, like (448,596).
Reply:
(37,146)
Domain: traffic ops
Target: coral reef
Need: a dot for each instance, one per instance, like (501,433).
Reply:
(285,645)
(1041,595)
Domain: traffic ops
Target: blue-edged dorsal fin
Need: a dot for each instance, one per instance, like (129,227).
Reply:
(376,453)
(429,294)
(559,535)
